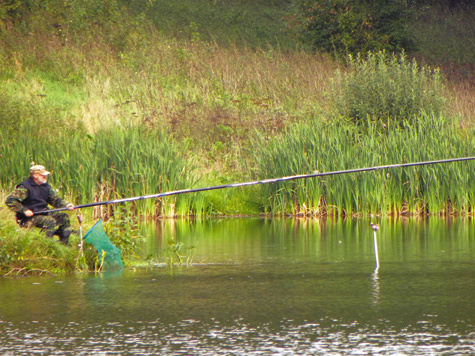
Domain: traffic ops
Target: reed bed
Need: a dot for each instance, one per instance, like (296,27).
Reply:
(115,163)
(326,147)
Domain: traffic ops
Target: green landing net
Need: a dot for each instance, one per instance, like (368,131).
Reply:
(107,252)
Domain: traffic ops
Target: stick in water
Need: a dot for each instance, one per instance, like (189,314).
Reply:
(376,255)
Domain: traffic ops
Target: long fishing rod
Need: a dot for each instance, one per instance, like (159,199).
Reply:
(264,181)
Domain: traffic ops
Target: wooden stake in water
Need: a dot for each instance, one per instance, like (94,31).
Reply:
(375,228)
(80,220)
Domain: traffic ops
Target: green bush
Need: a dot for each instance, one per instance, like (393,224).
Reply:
(386,86)
(351,26)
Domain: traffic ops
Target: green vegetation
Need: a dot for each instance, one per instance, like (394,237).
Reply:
(116,162)
(351,26)
(335,146)
(435,29)
(128,98)
(387,87)
(24,251)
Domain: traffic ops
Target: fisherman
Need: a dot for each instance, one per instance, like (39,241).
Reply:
(33,195)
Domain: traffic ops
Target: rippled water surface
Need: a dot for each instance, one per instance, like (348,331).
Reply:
(261,287)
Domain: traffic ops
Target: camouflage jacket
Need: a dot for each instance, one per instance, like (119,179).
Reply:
(15,199)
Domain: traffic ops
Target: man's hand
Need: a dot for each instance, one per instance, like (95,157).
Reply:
(70,207)
(28,213)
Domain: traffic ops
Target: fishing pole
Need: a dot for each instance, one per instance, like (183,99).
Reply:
(264,181)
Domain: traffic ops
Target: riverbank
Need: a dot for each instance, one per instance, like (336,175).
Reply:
(131,110)
(159,243)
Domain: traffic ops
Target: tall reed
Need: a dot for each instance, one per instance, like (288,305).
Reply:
(119,162)
(326,147)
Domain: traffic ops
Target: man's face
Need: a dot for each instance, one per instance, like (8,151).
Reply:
(41,179)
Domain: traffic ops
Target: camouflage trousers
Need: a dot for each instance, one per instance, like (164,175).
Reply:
(53,224)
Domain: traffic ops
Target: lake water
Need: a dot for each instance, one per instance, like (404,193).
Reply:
(261,287)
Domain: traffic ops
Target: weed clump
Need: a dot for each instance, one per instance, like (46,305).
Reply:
(386,86)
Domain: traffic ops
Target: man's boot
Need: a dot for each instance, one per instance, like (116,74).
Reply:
(64,235)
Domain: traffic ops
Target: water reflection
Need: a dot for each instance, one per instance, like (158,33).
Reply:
(375,280)
(248,239)
(261,286)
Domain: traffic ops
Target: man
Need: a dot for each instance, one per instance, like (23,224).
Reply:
(33,195)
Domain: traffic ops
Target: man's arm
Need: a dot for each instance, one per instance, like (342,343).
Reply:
(55,201)
(14,200)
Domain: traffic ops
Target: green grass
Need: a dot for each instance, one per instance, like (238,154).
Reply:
(27,251)
(257,24)
(129,101)
(119,162)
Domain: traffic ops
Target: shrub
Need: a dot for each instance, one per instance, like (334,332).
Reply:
(386,86)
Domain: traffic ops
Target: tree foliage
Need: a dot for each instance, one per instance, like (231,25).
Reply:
(350,26)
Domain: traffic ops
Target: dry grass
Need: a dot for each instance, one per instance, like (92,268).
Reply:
(463,103)
(461,90)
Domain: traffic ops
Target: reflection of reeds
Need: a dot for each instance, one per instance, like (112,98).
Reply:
(434,189)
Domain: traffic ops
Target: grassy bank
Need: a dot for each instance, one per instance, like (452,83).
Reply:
(163,97)
(28,251)
(160,97)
